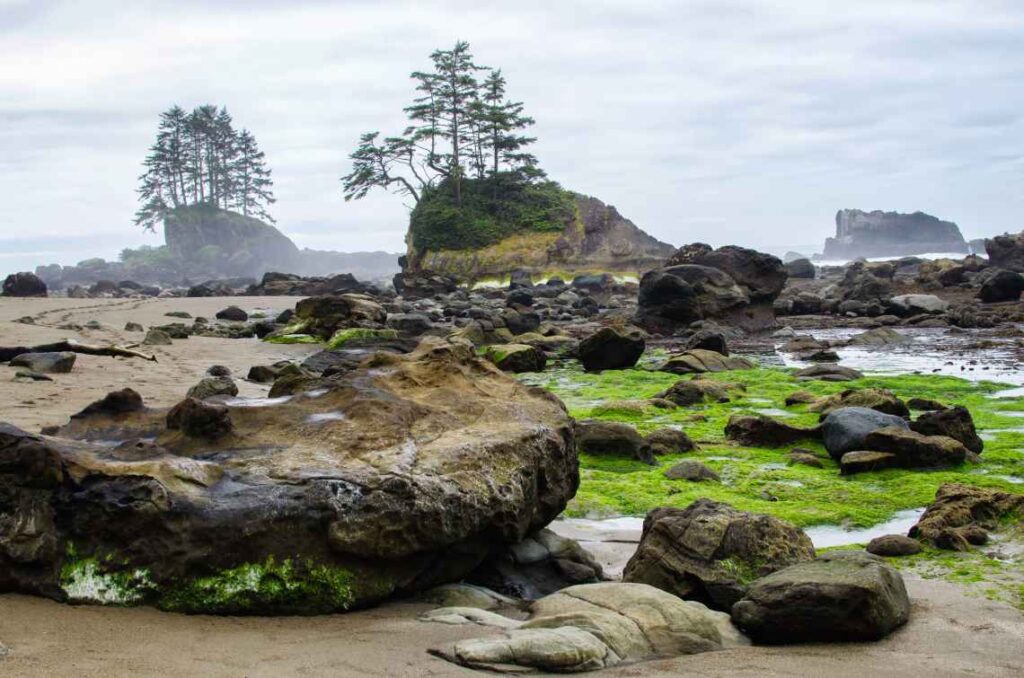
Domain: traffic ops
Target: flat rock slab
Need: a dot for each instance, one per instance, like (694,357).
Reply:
(45,363)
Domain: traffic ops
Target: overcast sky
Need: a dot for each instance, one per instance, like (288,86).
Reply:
(725,121)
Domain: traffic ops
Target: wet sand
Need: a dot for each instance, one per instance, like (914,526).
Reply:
(953,631)
(161,384)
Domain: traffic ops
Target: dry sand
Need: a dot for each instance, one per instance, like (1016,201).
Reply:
(952,632)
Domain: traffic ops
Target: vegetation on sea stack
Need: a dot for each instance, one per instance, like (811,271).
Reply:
(199,158)
(463,160)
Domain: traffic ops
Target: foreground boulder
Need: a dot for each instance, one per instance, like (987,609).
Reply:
(611,438)
(711,552)
(388,479)
(517,357)
(24,284)
(1000,286)
(962,513)
(611,348)
(840,597)
(595,626)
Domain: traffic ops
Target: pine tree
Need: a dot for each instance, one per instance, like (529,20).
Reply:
(199,158)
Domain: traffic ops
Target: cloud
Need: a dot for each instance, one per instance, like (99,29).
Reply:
(748,121)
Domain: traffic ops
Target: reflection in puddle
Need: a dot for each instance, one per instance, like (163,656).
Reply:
(322,417)
(256,402)
(823,536)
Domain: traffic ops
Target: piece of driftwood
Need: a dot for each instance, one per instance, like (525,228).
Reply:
(8,352)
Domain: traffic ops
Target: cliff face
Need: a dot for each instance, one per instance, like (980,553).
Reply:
(882,234)
(233,244)
(596,238)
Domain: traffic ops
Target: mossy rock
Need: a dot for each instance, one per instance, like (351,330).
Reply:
(342,337)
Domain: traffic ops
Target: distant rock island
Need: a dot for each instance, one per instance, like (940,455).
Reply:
(207,243)
(585,235)
(885,234)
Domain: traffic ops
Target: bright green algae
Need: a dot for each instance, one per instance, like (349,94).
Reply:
(760,479)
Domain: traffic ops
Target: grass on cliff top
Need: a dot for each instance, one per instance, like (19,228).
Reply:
(760,479)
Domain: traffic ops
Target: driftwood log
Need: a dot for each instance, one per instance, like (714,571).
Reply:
(8,352)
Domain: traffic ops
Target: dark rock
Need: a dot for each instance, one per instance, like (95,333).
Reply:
(265,374)
(862,461)
(611,348)
(842,596)
(31,376)
(324,315)
(1001,285)
(708,340)
(879,399)
(800,268)
(711,552)
(233,313)
(520,278)
(914,450)
(699,361)
(1006,251)
(692,470)
(959,512)
(537,566)
(846,430)
(669,441)
(24,284)
(519,297)
(925,404)
(198,419)
(595,284)
(826,372)
(763,431)
(213,386)
(804,458)
(612,439)
(517,357)
(125,401)
(156,337)
(893,546)
(686,392)
(133,327)
(423,285)
(955,423)
(411,324)
(218,371)
(45,363)
(761,275)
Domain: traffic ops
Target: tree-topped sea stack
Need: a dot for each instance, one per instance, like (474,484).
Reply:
(482,206)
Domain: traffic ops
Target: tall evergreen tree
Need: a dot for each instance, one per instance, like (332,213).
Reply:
(199,158)
(459,127)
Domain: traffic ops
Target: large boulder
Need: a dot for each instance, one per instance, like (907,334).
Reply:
(879,336)
(324,315)
(800,268)
(960,510)
(827,372)
(914,450)
(24,284)
(611,438)
(955,422)
(732,284)
(595,626)
(386,480)
(912,304)
(1001,285)
(760,430)
(846,430)
(423,284)
(842,596)
(1006,251)
(611,348)
(686,392)
(711,552)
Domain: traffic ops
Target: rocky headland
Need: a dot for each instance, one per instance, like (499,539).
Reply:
(891,234)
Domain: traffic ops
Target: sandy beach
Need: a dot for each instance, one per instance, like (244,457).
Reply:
(952,632)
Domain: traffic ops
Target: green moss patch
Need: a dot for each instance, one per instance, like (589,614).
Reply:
(291,339)
(284,587)
(341,337)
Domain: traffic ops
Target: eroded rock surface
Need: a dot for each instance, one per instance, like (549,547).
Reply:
(391,478)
